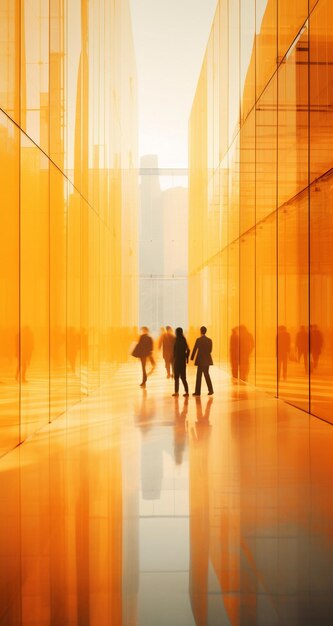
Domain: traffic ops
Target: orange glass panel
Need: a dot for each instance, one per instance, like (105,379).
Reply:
(293,149)
(35,71)
(224,202)
(35,524)
(57,82)
(10,58)
(10,544)
(246,330)
(233,287)
(216,89)
(73,311)
(58,253)
(210,105)
(75,120)
(214,230)
(87,261)
(321,290)
(321,88)
(198,173)
(266,304)
(247,180)
(266,151)
(9,284)
(69,269)
(293,302)
(224,79)
(234,191)
(233,71)
(223,293)
(291,18)
(34,295)
(247,56)
(266,42)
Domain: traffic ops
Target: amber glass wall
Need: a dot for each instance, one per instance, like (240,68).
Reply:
(261,188)
(68,204)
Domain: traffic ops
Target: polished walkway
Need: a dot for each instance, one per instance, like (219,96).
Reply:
(139,508)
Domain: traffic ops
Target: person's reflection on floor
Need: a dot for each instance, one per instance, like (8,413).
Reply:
(151,450)
(146,412)
(180,430)
(199,434)
(283,350)
(316,345)
(25,347)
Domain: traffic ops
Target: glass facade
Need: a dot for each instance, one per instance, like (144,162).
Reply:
(68,204)
(260,225)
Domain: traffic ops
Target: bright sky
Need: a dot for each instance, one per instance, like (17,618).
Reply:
(170,38)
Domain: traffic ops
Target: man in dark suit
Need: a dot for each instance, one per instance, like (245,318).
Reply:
(202,352)
(144,350)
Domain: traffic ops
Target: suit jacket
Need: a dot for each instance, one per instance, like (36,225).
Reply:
(203,351)
(144,346)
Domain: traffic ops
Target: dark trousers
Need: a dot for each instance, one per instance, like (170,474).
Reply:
(143,360)
(180,373)
(205,372)
(282,365)
(168,366)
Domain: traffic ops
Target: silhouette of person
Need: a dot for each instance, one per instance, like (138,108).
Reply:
(24,356)
(302,346)
(202,352)
(143,350)
(180,430)
(234,352)
(283,350)
(200,514)
(316,344)
(181,352)
(246,345)
(166,342)
(152,450)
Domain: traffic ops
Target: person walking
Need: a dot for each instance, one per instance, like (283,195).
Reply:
(167,342)
(181,352)
(144,350)
(283,351)
(202,352)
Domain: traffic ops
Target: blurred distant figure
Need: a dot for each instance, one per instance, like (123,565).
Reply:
(234,352)
(162,331)
(202,352)
(302,346)
(167,342)
(26,341)
(316,344)
(181,352)
(144,350)
(283,350)
(246,345)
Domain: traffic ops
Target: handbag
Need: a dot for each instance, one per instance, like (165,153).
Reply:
(136,352)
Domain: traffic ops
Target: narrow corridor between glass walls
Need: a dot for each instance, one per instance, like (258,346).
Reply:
(139,508)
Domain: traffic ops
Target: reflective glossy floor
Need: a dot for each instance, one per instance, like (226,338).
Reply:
(139,508)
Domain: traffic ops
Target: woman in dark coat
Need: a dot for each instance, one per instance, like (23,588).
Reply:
(181,353)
